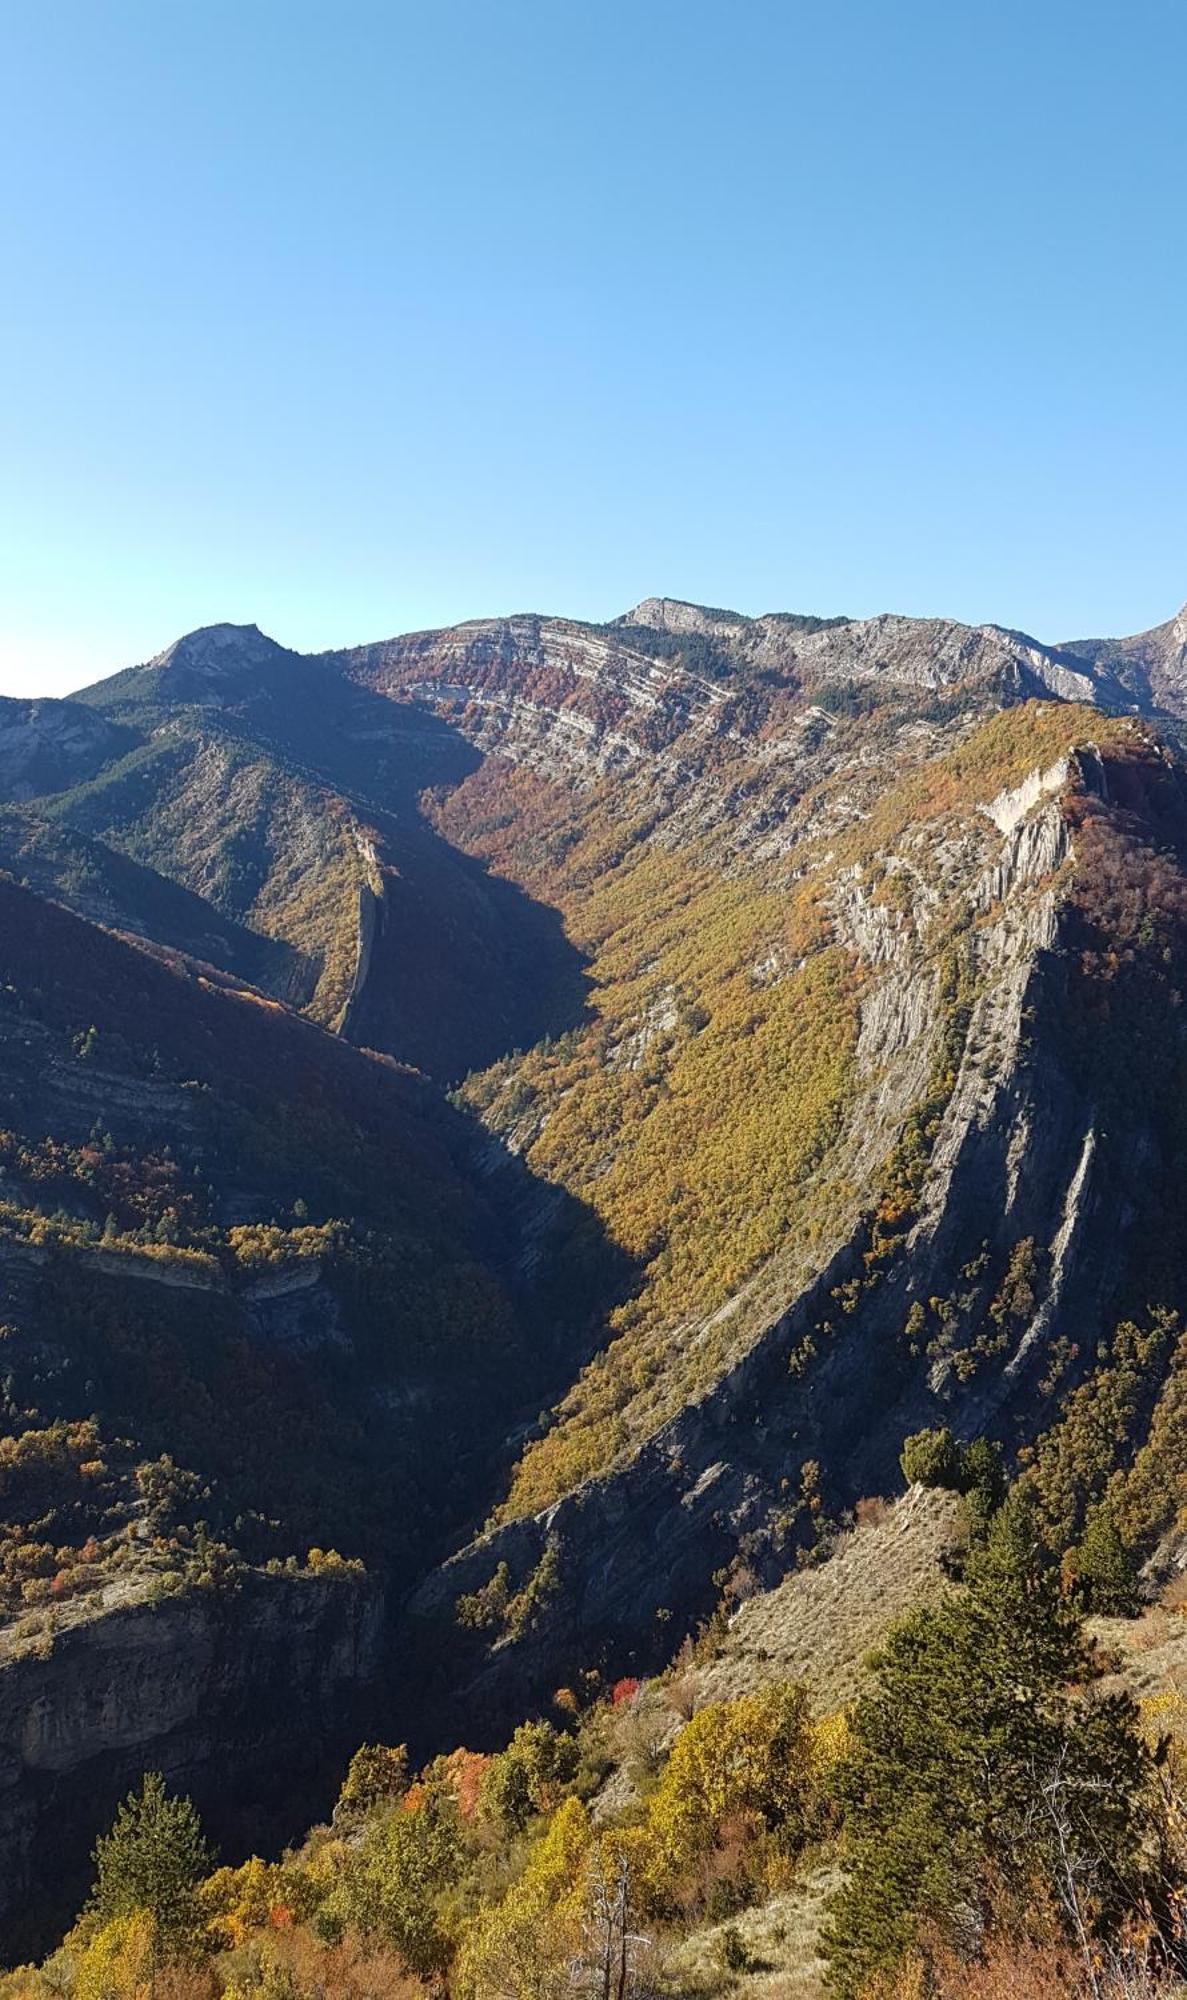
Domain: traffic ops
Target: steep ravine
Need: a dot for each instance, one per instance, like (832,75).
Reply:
(771,751)
(626,1562)
(306,1402)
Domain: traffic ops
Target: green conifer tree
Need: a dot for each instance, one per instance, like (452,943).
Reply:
(1101,1569)
(153,1860)
(980,1763)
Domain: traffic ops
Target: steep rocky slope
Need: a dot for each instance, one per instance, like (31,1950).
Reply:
(940,1256)
(250,1704)
(810,996)
(1152,665)
(829,903)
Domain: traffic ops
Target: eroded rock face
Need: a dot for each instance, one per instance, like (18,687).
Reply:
(562,695)
(1151,666)
(249,1701)
(45,745)
(206,665)
(1020,1153)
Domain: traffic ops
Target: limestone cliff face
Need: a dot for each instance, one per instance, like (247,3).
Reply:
(632,1554)
(632,657)
(826,1373)
(566,697)
(250,1702)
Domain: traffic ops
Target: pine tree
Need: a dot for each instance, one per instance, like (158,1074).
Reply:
(152,1861)
(983,1484)
(979,1770)
(1100,1568)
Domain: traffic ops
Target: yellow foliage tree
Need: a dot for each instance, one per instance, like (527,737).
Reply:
(240,1900)
(748,1761)
(831,1740)
(521,1949)
(119,1962)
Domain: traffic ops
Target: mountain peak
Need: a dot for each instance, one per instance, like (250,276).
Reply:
(209,667)
(214,648)
(673,614)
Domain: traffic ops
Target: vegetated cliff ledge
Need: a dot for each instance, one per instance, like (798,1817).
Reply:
(248,1698)
(1038,1141)
(356,1398)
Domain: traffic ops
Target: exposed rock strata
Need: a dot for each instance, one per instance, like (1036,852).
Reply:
(1017,1154)
(283,794)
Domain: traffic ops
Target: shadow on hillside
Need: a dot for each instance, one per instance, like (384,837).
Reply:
(462,966)
(465,967)
(477,1292)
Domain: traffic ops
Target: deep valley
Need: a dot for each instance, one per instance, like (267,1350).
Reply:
(505,1135)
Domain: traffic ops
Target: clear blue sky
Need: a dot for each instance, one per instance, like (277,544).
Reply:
(350,316)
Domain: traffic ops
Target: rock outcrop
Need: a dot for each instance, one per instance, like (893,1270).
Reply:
(826,1375)
(1151,666)
(47,745)
(249,1700)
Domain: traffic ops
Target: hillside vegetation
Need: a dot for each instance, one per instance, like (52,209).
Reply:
(656,1089)
(993,1810)
(702,1112)
(249,1293)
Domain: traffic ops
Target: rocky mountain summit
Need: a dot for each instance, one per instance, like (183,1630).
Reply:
(512,1123)
(206,666)
(1152,665)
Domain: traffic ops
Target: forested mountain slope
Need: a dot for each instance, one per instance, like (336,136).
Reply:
(264,1332)
(611,1083)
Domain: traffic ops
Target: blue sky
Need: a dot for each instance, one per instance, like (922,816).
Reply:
(357,316)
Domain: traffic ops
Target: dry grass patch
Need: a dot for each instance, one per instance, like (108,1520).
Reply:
(819,1625)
